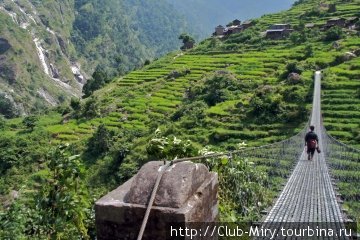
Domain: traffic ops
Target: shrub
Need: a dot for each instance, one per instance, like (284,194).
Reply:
(298,37)
(2,123)
(91,108)
(7,107)
(98,80)
(250,182)
(216,88)
(75,104)
(161,147)
(62,200)
(100,142)
(333,34)
(266,104)
(178,73)
(193,112)
(30,122)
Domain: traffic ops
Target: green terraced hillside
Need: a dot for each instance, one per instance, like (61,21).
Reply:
(225,91)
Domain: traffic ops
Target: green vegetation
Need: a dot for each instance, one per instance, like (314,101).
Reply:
(243,88)
(115,36)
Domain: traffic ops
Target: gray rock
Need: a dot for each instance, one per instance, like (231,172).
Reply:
(54,71)
(178,183)
(118,219)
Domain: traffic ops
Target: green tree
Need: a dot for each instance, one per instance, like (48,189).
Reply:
(75,104)
(216,88)
(7,108)
(250,182)
(98,80)
(333,34)
(161,147)
(186,39)
(309,51)
(30,122)
(91,108)
(2,122)
(62,202)
(298,37)
(332,8)
(100,142)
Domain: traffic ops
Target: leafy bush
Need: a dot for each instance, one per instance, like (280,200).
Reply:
(62,202)
(2,123)
(266,104)
(161,147)
(100,142)
(98,80)
(91,108)
(298,37)
(333,34)
(242,187)
(7,107)
(178,73)
(30,122)
(216,88)
(193,112)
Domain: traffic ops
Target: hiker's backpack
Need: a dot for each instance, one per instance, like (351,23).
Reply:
(311,144)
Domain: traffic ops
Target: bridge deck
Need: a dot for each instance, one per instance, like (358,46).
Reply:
(308,195)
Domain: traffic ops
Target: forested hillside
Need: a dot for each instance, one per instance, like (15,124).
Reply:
(229,92)
(50,48)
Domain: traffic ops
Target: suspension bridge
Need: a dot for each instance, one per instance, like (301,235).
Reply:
(309,195)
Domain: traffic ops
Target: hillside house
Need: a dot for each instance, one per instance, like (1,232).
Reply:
(277,34)
(188,45)
(278,31)
(232,30)
(219,30)
(310,25)
(236,27)
(280,26)
(340,22)
(247,24)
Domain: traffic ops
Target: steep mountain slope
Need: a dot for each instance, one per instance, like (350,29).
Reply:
(64,41)
(39,67)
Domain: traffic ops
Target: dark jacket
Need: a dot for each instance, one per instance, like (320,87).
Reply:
(311,135)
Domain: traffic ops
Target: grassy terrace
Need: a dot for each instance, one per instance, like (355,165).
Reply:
(341,102)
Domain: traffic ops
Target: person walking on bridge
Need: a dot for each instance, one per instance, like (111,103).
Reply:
(311,142)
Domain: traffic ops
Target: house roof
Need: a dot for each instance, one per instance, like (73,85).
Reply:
(275,30)
(247,22)
(278,30)
(281,24)
(309,25)
(336,19)
(220,26)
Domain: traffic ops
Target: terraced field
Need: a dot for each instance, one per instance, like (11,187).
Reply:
(341,102)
